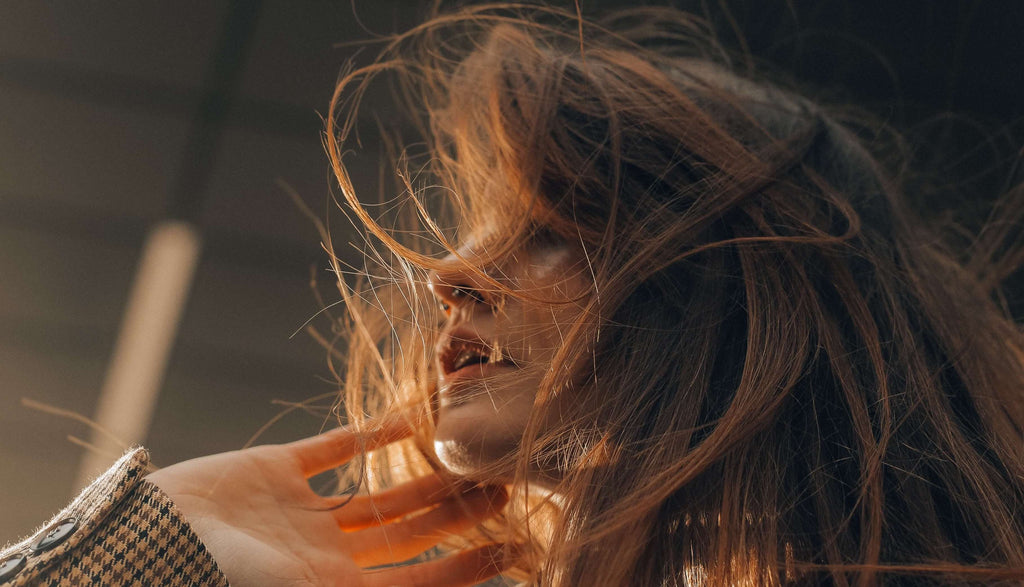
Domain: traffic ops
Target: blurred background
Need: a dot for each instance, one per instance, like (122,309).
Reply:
(117,117)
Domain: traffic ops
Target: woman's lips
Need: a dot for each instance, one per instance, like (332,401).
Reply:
(464,363)
(463,384)
(475,370)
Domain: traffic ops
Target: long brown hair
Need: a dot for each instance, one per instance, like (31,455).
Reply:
(780,375)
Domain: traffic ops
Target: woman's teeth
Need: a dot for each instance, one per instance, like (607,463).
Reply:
(469,357)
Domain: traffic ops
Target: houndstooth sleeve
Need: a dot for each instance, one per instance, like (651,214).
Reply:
(122,530)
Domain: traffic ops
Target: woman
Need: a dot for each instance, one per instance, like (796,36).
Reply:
(683,318)
(690,322)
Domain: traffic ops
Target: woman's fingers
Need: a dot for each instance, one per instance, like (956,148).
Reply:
(411,536)
(336,447)
(458,570)
(363,511)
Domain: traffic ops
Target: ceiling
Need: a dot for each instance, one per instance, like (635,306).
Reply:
(115,115)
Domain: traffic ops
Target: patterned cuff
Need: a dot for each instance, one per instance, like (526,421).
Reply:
(122,530)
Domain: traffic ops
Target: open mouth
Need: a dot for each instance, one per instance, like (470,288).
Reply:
(462,354)
(469,357)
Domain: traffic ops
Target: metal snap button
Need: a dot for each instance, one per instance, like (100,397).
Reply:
(10,566)
(56,535)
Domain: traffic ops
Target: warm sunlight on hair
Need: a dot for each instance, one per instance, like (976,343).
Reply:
(645,291)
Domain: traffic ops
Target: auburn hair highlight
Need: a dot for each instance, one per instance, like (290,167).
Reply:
(780,374)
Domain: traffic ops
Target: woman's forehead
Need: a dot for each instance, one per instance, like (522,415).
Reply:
(526,259)
(491,245)
(486,244)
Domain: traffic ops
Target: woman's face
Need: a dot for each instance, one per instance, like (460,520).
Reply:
(495,349)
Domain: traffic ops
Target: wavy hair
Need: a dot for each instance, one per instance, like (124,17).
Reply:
(780,375)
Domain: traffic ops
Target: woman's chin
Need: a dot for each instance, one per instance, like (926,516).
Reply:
(472,442)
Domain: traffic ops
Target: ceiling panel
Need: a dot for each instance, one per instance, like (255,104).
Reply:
(167,42)
(56,151)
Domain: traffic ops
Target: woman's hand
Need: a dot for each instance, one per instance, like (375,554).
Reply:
(258,517)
